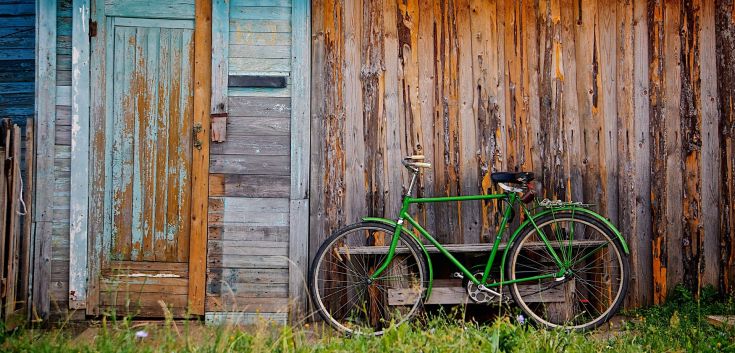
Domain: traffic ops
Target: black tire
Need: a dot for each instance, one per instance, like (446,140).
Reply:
(573,301)
(365,310)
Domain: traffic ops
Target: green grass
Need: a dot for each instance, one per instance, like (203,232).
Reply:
(678,326)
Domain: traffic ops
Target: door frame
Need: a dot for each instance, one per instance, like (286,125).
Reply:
(86,240)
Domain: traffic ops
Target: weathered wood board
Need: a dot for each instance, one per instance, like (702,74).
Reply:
(609,103)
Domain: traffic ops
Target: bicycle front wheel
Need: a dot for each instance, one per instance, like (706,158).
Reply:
(341,287)
(592,288)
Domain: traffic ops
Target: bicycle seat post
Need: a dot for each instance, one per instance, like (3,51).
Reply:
(415,173)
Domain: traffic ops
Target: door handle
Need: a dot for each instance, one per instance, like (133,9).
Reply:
(197,129)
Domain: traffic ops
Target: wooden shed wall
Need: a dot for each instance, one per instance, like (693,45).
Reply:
(624,104)
(248,247)
(17,60)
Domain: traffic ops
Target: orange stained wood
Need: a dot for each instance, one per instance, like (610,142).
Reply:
(200,178)
(151,147)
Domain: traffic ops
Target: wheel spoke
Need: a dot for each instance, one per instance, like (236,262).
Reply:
(594,286)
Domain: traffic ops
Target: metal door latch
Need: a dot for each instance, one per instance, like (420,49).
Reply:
(197,129)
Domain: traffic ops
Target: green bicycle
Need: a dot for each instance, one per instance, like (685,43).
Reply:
(564,265)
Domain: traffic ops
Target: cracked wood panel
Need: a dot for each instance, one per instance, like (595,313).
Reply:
(151,154)
(580,92)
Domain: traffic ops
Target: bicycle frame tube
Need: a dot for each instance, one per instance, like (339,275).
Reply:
(512,199)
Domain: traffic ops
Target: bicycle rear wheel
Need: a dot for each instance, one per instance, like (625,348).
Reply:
(593,287)
(340,282)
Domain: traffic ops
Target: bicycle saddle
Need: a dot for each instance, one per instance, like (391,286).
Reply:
(415,162)
(511,177)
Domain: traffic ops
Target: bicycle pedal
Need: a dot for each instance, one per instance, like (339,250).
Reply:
(457,275)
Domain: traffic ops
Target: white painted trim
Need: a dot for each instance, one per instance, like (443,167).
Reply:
(79,199)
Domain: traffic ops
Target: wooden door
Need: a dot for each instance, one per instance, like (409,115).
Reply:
(151,137)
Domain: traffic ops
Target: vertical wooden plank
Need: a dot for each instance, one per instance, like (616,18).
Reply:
(328,201)
(692,237)
(393,170)
(45,98)
(573,156)
(641,277)
(484,69)
(99,152)
(300,143)
(608,113)
(426,82)
(13,235)
(725,40)
(710,164)
(79,196)
(200,163)
(671,124)
(4,235)
(355,202)
(28,185)
(626,130)
(468,153)
(220,54)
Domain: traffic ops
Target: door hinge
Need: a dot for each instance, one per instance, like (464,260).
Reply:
(92,28)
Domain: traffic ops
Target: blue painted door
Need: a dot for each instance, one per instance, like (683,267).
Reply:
(152,139)
(148,72)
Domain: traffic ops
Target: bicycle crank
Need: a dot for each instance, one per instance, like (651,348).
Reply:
(481,294)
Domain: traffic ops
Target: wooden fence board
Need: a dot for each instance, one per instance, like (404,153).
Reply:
(601,108)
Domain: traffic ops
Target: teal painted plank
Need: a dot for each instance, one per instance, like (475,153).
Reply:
(260,13)
(239,25)
(17,87)
(259,92)
(220,53)
(16,55)
(173,9)
(161,231)
(79,197)
(17,41)
(153,23)
(300,144)
(17,21)
(122,147)
(17,31)
(150,143)
(260,51)
(138,91)
(260,65)
(17,9)
(255,3)
(249,38)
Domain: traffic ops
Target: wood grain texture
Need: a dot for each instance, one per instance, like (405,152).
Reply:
(605,101)
(45,135)
(725,54)
(80,134)
(200,165)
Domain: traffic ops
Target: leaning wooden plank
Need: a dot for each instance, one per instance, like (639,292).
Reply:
(244,318)
(13,224)
(27,224)
(78,268)
(3,215)
(45,112)
(465,248)
(200,164)
(458,295)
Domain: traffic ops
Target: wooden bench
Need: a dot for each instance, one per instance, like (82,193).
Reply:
(451,291)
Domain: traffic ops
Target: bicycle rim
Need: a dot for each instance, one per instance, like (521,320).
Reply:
(343,293)
(593,287)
